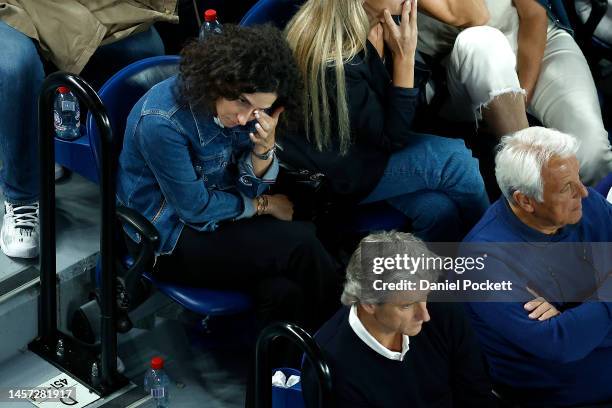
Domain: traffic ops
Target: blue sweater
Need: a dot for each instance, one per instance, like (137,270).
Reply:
(565,360)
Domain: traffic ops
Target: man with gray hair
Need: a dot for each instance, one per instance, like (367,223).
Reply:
(388,347)
(564,357)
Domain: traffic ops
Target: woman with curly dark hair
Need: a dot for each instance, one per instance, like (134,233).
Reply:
(197,161)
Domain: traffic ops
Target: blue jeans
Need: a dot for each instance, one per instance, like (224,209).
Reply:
(21,76)
(436,182)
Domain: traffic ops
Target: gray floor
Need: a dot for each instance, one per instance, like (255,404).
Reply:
(205,369)
(201,373)
(199,377)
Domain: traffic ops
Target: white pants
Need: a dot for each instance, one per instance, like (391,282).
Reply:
(482,65)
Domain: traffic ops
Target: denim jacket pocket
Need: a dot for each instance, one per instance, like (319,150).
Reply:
(210,168)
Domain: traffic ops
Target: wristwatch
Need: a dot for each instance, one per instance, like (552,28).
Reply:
(267,155)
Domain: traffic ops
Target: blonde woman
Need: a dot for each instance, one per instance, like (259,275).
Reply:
(360,100)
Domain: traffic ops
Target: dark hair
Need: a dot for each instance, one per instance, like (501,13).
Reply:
(240,60)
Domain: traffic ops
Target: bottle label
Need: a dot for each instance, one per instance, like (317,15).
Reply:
(57,119)
(68,106)
(157,392)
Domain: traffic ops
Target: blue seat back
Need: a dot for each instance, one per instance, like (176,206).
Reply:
(605,185)
(277,12)
(121,92)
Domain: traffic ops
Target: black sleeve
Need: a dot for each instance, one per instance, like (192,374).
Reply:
(382,120)
(470,382)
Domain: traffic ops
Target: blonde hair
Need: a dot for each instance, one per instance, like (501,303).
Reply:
(324,34)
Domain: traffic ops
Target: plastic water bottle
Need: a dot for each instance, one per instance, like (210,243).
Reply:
(156,383)
(211,25)
(66,114)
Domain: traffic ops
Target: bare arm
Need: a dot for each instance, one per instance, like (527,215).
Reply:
(531,43)
(458,13)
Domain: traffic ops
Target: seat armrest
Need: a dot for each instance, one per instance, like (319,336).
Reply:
(131,283)
(142,225)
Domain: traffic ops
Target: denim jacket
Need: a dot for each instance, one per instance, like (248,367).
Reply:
(557,13)
(178,167)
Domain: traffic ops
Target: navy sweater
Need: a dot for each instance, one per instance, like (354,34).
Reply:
(565,360)
(443,367)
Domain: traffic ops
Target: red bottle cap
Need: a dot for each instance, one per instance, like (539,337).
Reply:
(210,15)
(63,89)
(157,363)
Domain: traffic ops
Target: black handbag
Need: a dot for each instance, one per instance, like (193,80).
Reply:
(308,190)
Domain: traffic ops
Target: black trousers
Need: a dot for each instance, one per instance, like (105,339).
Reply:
(282,265)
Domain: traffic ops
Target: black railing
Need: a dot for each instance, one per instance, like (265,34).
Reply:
(263,370)
(48,333)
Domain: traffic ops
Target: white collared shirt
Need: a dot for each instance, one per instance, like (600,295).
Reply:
(368,339)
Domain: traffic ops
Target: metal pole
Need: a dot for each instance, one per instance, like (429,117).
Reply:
(48,311)
(47,321)
(263,371)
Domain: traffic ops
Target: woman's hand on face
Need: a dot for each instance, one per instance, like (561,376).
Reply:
(402,39)
(264,136)
(279,206)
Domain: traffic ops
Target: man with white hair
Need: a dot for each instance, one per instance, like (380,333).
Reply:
(390,348)
(563,358)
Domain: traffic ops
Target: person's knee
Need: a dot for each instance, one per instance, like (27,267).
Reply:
(483,55)
(438,209)
(482,42)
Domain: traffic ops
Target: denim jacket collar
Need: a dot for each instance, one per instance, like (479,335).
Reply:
(206,126)
(208,130)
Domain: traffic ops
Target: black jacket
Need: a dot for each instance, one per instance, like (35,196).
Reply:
(380,115)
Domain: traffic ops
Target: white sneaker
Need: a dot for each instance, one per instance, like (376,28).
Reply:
(19,235)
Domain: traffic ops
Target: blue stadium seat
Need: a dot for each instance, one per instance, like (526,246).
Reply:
(361,218)
(277,12)
(119,94)
(77,156)
(605,185)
